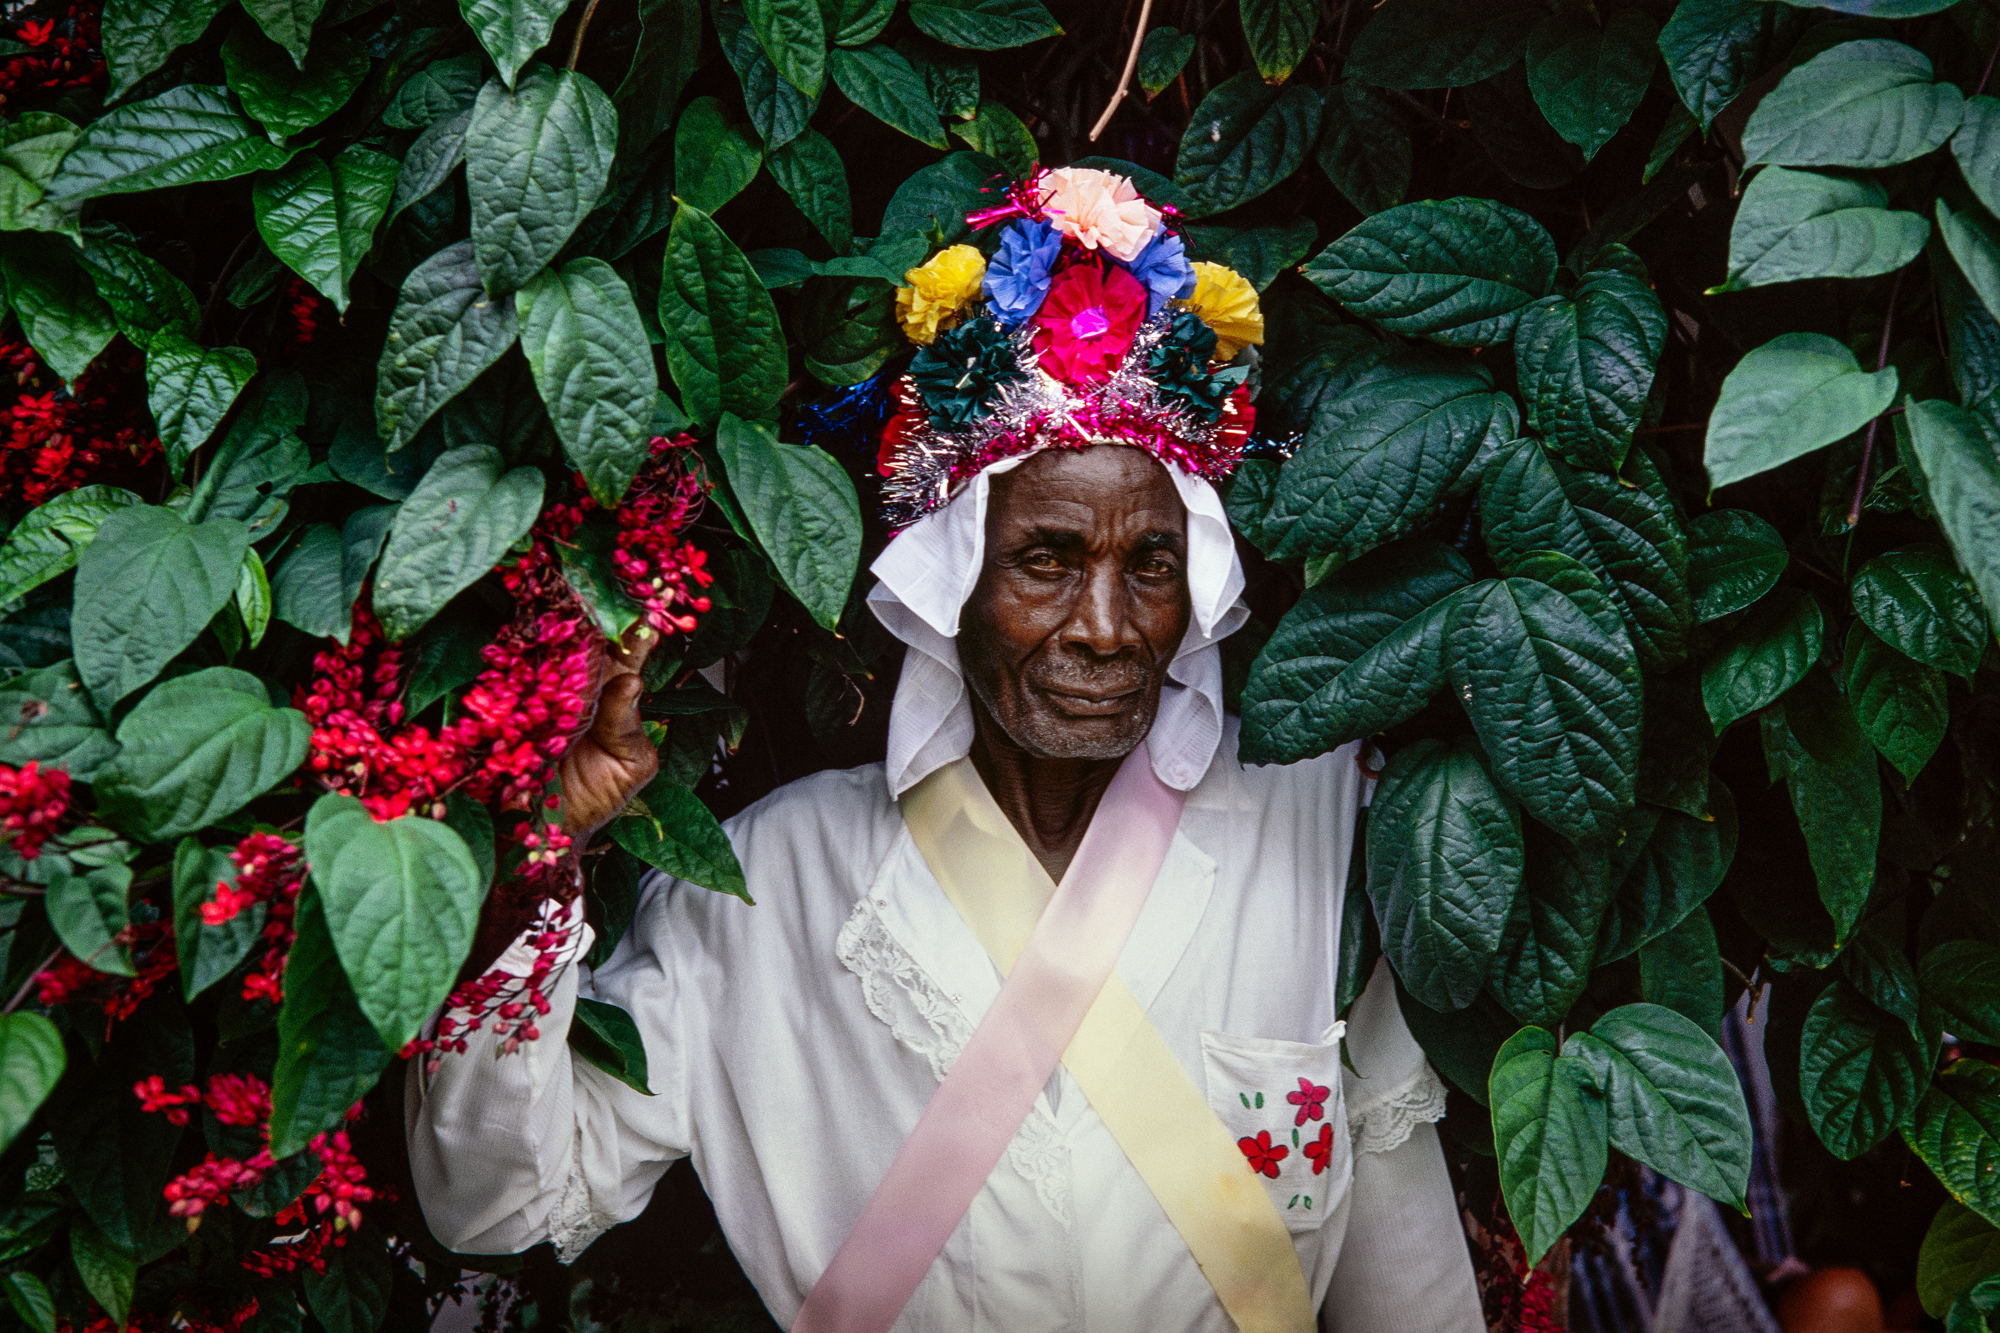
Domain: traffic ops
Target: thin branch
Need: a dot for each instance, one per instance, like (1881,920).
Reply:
(1125,79)
(1988,72)
(29,984)
(1881,360)
(582,24)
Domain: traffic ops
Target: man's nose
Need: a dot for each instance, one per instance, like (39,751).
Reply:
(1101,622)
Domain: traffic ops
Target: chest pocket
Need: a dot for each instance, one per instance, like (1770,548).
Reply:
(1282,1103)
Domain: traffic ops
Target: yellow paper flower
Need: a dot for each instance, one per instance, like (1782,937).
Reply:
(1227,303)
(940,289)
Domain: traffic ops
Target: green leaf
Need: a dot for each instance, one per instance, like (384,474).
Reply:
(1957,1134)
(139,35)
(1279,31)
(713,159)
(307,590)
(512,30)
(1840,812)
(1586,364)
(1797,393)
(32,146)
(50,721)
(536,159)
(1682,971)
(1627,538)
(1714,48)
(31,1060)
(1861,1071)
(1977,148)
(793,35)
(286,98)
(1550,943)
(1361,651)
(1555,699)
(320,217)
(289,23)
(886,86)
(1801,224)
(455,526)
(187,134)
(1959,1249)
(1961,977)
(31,1301)
(1899,704)
(802,506)
(45,543)
(1000,135)
(1586,79)
(1444,864)
(1667,867)
(1456,271)
(669,52)
(587,347)
(1859,104)
(936,200)
(401,901)
(208,953)
(190,387)
(89,915)
(1674,1101)
(1974,243)
(724,347)
(1961,474)
(439,90)
(352,1295)
(1918,602)
(1441,43)
(430,160)
(52,297)
(328,1052)
(109,1274)
(1551,1135)
(605,1035)
(143,295)
(195,749)
(778,110)
(1762,656)
(445,331)
(1734,558)
(1245,137)
(1365,149)
(983,25)
(145,587)
(809,170)
(1162,56)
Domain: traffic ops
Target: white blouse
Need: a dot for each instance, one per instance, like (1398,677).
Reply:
(792,1045)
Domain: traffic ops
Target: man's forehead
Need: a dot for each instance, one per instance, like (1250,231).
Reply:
(1080,488)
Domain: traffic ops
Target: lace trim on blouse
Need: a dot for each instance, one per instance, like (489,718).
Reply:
(1382,1124)
(923,1018)
(576,1222)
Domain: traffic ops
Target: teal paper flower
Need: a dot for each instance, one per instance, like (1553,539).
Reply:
(1179,365)
(963,373)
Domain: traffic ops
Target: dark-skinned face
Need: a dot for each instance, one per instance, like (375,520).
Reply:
(1082,601)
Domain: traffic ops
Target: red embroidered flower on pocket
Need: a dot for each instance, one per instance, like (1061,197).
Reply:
(1320,1150)
(1310,1099)
(1264,1155)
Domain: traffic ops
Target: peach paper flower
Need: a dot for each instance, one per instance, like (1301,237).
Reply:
(1102,211)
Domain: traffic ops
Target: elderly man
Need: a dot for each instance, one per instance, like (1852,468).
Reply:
(1032,1027)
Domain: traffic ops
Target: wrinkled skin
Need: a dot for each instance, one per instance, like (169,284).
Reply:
(1066,640)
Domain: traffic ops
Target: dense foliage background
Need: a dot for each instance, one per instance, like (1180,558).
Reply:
(1631,471)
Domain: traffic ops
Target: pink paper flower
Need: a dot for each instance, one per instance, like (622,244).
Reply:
(1087,323)
(1102,211)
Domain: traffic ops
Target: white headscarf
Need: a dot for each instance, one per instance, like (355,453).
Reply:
(929,571)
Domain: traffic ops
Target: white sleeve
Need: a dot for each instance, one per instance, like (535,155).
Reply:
(508,1149)
(1404,1266)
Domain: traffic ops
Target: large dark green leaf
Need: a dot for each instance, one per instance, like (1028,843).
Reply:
(1550,943)
(1279,31)
(320,216)
(139,35)
(1977,148)
(1626,537)
(1714,48)
(1861,1071)
(802,507)
(89,914)
(190,388)
(401,901)
(1734,558)
(429,161)
(287,98)
(1555,699)
(1682,971)
(1441,43)
(1245,137)
(1840,812)
(1444,865)
(1551,1135)
(1961,474)
(983,25)
(186,134)
(606,1036)
(145,587)
(1666,867)
(1365,149)
(1586,365)
(1959,1249)
(724,347)
(1764,655)
(587,347)
(45,543)
(109,1274)
(455,526)
(713,159)
(793,35)
(669,52)
(1900,705)
(1916,600)
(1956,1132)
(52,297)
(778,110)
(144,296)
(536,159)
(116,1157)
(1974,242)
(352,1295)
(1802,224)
(885,85)
(289,23)
(49,720)
(32,146)
(208,953)
(512,30)
(440,89)
(328,1051)
(809,170)
(1797,393)
(1362,651)
(445,331)
(1456,271)
(1859,104)
(1588,79)
(1674,1100)
(1962,979)
(671,830)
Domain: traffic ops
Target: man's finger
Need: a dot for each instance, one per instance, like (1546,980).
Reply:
(618,728)
(630,653)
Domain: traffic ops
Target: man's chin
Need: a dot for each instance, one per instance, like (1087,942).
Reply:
(1053,733)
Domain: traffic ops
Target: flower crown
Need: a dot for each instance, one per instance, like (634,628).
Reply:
(1088,326)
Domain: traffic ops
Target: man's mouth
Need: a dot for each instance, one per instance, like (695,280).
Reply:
(1091,703)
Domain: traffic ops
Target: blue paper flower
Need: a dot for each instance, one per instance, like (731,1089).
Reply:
(1017,277)
(1162,268)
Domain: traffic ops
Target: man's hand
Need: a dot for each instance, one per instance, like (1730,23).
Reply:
(607,766)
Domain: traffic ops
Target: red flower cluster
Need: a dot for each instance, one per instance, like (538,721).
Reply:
(182,1320)
(511,1002)
(53,62)
(268,870)
(72,979)
(656,569)
(58,439)
(307,310)
(33,801)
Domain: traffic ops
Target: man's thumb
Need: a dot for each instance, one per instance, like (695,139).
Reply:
(618,728)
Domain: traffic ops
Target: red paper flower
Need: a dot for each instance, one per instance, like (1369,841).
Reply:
(1087,322)
(1264,1155)
(1320,1151)
(1310,1099)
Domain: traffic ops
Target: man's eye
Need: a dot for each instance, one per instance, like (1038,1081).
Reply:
(1043,562)
(1159,566)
